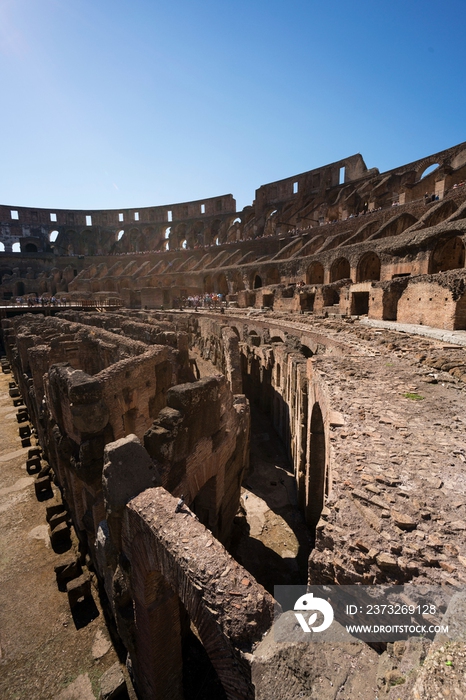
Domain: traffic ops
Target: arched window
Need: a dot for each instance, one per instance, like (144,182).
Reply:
(430,169)
(340,270)
(257,282)
(53,236)
(368,268)
(447,255)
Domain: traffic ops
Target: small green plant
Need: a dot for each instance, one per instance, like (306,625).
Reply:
(413,396)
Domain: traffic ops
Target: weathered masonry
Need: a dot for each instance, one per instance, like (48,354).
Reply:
(212,331)
(339,239)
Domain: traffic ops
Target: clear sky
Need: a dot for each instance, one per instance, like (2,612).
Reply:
(132,103)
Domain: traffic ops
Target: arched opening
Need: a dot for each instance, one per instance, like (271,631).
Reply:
(315,273)
(208,284)
(19,289)
(198,234)
(184,244)
(2,247)
(16,248)
(307,352)
(368,268)
(447,255)
(428,171)
(257,282)
(315,487)
(340,270)
(30,248)
(184,657)
(276,339)
(53,236)
(120,234)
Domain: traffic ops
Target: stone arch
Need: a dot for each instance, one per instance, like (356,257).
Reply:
(53,235)
(315,482)
(368,267)
(315,273)
(164,598)
(306,351)
(447,255)
(427,169)
(395,226)
(197,235)
(257,281)
(340,270)
(214,232)
(30,248)
(179,234)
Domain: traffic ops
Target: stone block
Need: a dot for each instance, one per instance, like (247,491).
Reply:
(113,684)
(14,392)
(60,535)
(24,431)
(67,571)
(33,465)
(53,509)
(25,442)
(18,402)
(57,519)
(78,589)
(34,452)
(42,485)
(128,470)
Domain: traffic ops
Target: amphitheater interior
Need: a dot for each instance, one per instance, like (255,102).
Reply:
(213,403)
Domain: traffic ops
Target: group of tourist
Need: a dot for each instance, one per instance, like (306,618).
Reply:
(42,300)
(206,301)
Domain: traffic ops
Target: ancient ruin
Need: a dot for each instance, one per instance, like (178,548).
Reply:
(216,402)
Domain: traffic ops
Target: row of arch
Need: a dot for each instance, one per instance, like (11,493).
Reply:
(447,255)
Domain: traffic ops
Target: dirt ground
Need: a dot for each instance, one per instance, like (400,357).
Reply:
(45,653)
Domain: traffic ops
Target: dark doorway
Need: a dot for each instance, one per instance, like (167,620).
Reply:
(360,303)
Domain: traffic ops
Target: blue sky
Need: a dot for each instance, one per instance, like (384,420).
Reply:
(132,103)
